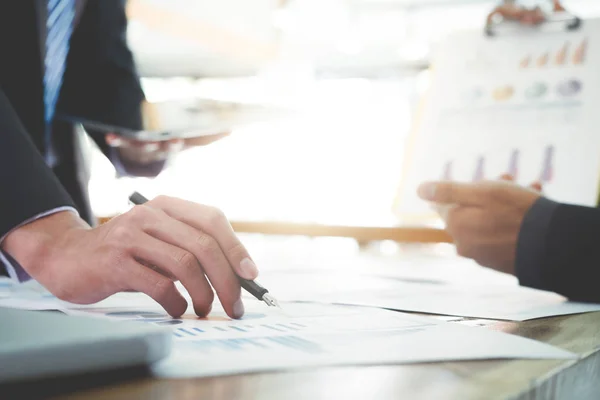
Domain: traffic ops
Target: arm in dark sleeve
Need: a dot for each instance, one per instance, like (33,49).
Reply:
(101,82)
(559,250)
(28,188)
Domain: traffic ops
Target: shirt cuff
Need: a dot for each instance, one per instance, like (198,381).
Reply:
(12,267)
(531,244)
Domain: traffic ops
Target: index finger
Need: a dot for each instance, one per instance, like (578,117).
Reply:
(205,140)
(212,221)
(115,140)
(467,194)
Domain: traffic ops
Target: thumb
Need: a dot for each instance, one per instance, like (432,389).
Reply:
(454,193)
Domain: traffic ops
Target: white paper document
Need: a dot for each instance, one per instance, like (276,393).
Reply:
(501,302)
(5,286)
(518,104)
(301,335)
(26,296)
(308,335)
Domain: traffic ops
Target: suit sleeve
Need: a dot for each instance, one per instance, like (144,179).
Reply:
(101,81)
(559,250)
(27,186)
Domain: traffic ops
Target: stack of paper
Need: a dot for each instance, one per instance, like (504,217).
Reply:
(313,335)
(301,335)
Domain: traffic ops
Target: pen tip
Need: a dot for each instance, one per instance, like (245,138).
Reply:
(270,300)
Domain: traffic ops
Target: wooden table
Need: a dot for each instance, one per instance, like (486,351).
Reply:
(514,379)
(362,234)
(501,379)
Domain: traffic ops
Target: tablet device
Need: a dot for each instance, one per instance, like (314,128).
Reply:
(151,135)
(182,119)
(44,344)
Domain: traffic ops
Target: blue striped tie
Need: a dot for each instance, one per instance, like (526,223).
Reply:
(59,28)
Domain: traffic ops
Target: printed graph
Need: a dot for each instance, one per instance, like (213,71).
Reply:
(143,316)
(561,57)
(135,314)
(513,165)
(479,174)
(526,62)
(570,87)
(243,337)
(536,90)
(543,60)
(569,53)
(547,173)
(580,53)
(238,329)
(503,93)
(224,318)
(262,342)
(447,174)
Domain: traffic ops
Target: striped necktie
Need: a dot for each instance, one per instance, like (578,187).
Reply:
(59,28)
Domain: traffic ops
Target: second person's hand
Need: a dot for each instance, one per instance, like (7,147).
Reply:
(536,185)
(143,152)
(483,218)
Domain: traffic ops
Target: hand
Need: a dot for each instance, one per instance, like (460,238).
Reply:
(181,240)
(513,12)
(537,186)
(484,219)
(141,152)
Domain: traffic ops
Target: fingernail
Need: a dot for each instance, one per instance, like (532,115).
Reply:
(427,191)
(238,309)
(249,268)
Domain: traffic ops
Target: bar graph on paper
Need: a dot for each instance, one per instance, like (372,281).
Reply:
(245,338)
(519,105)
(219,333)
(195,332)
(277,331)
(287,342)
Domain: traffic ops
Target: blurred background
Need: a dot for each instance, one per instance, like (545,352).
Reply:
(346,74)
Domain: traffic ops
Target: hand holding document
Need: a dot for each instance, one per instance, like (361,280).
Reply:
(484,218)
(521,104)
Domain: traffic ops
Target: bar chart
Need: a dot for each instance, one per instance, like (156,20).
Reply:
(287,342)
(192,332)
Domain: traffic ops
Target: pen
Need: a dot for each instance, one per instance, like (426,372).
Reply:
(251,287)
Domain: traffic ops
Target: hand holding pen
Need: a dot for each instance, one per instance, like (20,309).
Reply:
(146,250)
(224,249)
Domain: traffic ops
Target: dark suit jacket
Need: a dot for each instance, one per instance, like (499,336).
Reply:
(100,83)
(559,250)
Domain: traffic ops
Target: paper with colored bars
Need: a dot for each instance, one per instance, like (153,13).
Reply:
(308,335)
(521,104)
(303,335)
